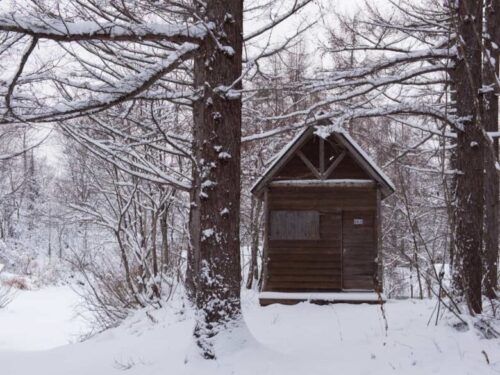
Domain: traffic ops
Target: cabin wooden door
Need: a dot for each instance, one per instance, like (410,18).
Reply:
(331,237)
(358,250)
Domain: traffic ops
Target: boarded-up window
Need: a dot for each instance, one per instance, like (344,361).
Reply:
(294,225)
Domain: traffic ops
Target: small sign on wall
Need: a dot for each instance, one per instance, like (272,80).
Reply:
(358,222)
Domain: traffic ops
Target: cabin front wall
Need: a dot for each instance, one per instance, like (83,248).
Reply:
(339,255)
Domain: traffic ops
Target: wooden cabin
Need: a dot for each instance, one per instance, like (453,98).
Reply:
(322,221)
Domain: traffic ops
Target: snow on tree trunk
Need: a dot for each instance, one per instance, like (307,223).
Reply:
(215,206)
(490,119)
(470,155)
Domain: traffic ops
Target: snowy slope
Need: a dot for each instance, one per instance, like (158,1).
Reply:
(41,319)
(292,340)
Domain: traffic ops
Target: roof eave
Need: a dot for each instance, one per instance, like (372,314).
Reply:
(384,183)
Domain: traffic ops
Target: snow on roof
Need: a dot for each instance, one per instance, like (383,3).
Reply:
(323,131)
(279,156)
(369,160)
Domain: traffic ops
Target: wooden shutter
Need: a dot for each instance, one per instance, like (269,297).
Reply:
(294,225)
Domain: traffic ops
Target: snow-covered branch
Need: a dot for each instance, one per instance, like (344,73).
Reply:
(78,31)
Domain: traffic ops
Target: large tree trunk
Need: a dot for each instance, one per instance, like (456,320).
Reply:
(215,206)
(490,121)
(470,155)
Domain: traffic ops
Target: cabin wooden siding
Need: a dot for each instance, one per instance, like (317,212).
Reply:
(322,221)
(323,265)
(296,169)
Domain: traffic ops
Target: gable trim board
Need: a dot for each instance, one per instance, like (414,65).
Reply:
(340,136)
(323,183)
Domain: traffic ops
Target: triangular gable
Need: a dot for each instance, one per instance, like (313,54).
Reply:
(343,139)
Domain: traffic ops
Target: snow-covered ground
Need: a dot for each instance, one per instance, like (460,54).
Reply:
(41,319)
(302,339)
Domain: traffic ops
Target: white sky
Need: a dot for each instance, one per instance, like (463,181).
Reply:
(51,149)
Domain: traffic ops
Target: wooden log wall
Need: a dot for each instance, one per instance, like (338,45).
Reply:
(317,265)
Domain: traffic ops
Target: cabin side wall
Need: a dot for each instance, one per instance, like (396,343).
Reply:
(316,265)
(379,255)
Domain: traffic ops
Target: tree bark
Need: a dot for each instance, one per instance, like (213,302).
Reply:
(215,206)
(165,256)
(470,155)
(490,121)
(253,272)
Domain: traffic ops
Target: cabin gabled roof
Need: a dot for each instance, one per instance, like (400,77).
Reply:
(343,139)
